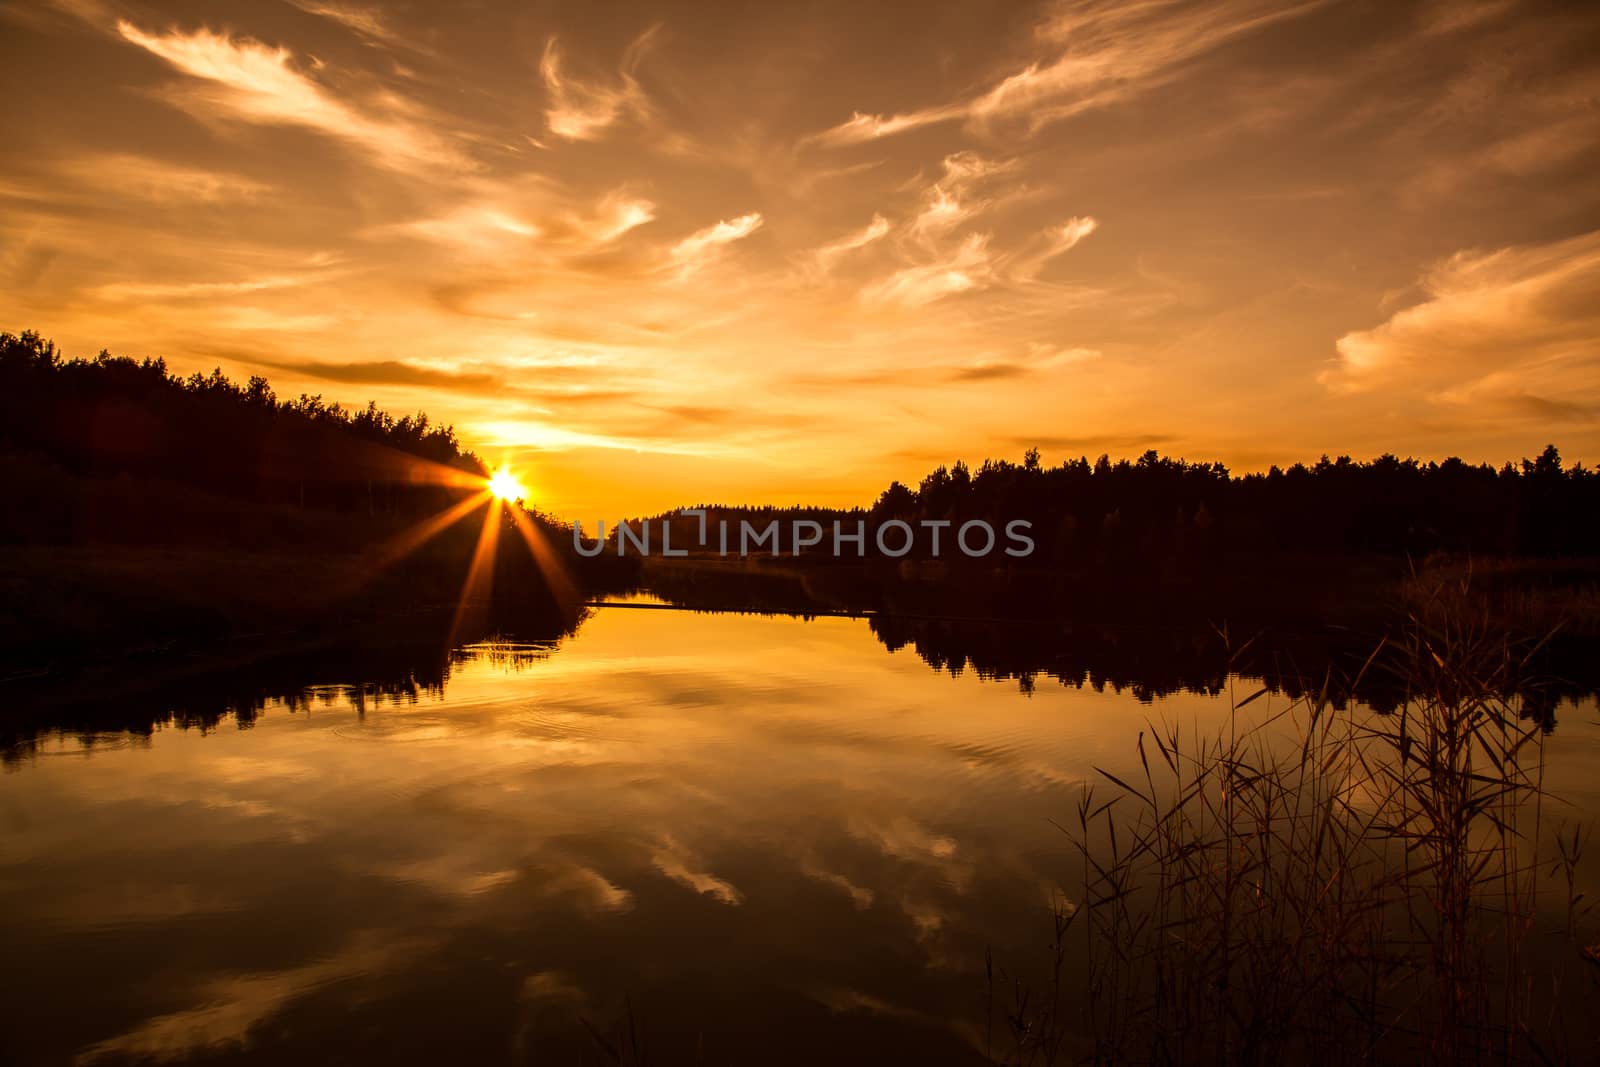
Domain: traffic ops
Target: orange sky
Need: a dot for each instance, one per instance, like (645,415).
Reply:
(661,254)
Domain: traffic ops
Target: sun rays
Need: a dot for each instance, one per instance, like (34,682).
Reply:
(499,497)
(478,585)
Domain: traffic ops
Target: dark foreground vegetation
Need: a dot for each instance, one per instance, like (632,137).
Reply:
(1310,886)
(146,511)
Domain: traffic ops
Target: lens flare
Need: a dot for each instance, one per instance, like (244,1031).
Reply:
(504,485)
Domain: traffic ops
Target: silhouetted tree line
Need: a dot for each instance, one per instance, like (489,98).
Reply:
(113,419)
(1159,508)
(1159,513)
(144,510)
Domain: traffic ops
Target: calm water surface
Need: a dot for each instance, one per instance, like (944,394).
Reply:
(764,839)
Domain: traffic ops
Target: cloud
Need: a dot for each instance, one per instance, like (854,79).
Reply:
(146,178)
(613,216)
(1108,51)
(890,376)
(583,110)
(363,21)
(942,211)
(1522,320)
(255,318)
(967,268)
(860,127)
(700,247)
(539,435)
(499,228)
(190,290)
(1069,233)
(385,372)
(1451,16)
(1122,444)
(257,83)
(483,226)
(1040,358)
(990,371)
(934,267)
(945,204)
(824,257)
(1543,407)
(1057,239)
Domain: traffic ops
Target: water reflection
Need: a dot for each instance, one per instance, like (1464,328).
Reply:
(740,826)
(403,660)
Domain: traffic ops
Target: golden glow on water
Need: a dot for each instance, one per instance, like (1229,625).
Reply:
(664,796)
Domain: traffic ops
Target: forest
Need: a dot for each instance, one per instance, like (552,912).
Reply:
(121,422)
(1160,511)
(148,511)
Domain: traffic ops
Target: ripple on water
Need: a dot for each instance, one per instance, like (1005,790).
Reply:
(90,744)
(514,717)
(396,730)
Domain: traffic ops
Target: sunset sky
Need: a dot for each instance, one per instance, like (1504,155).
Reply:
(670,253)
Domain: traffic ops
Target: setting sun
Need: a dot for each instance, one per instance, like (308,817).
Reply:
(505,485)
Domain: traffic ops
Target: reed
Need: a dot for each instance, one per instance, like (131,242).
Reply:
(1318,883)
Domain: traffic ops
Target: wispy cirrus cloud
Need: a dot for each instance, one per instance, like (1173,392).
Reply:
(615,215)
(483,227)
(516,227)
(938,261)
(952,200)
(365,22)
(1054,242)
(967,267)
(703,246)
(1106,51)
(258,83)
(1521,322)
(191,290)
(860,127)
(149,178)
(582,109)
(823,259)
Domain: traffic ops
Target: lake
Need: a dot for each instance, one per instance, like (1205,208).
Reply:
(740,838)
